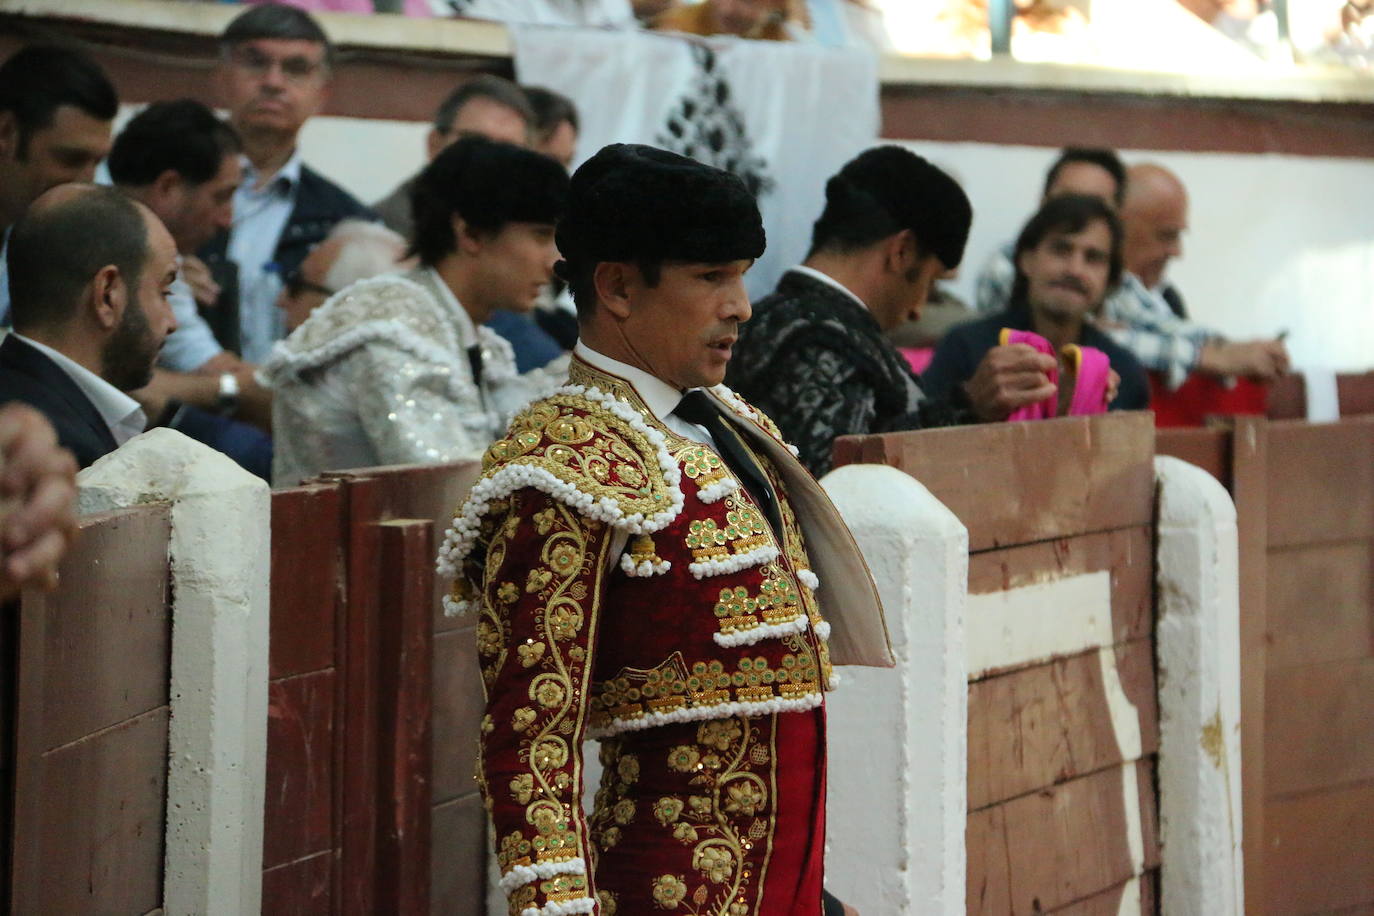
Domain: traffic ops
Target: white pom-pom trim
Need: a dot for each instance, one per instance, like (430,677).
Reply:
(765,631)
(458,540)
(721,566)
(644,568)
(823,629)
(740,407)
(808,578)
(458,607)
(835,680)
(566,908)
(701,713)
(520,875)
(715,492)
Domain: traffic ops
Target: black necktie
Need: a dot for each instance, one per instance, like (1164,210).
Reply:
(475,360)
(697,407)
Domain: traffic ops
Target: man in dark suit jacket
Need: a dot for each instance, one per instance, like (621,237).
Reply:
(275,76)
(89,272)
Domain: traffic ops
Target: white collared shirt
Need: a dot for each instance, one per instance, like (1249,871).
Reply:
(660,397)
(260,217)
(828,280)
(120,412)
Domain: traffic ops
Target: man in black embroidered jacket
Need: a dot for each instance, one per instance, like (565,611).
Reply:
(813,356)
(274,76)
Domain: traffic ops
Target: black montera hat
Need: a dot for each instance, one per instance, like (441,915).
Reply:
(637,203)
(916,194)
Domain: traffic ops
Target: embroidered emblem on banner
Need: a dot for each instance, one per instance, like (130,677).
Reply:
(706,125)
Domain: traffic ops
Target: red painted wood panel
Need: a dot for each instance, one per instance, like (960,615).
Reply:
(307,578)
(1014,483)
(299,815)
(90,748)
(1320,852)
(300,888)
(405,587)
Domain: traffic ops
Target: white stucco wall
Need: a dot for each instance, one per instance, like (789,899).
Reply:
(1198,647)
(217,742)
(898,736)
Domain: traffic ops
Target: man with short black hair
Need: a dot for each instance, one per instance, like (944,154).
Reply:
(1068,259)
(400,368)
(182,162)
(1078,170)
(56,108)
(90,271)
(274,75)
(648,565)
(486,105)
(814,356)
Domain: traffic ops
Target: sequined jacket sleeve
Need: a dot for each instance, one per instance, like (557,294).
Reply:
(411,410)
(540,581)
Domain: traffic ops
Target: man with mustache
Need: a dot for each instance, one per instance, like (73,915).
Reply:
(90,271)
(649,563)
(1068,257)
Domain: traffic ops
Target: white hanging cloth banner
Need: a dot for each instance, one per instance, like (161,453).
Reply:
(781,115)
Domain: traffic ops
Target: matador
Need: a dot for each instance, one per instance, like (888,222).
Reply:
(650,566)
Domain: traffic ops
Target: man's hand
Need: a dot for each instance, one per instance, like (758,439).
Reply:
(38,489)
(1009,378)
(1265,360)
(199,278)
(1113,385)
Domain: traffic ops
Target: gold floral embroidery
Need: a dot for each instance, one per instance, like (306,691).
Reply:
(745,530)
(669,891)
(724,823)
(672,686)
(776,602)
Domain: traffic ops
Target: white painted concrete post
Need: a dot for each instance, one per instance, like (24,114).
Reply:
(898,738)
(1198,645)
(220,559)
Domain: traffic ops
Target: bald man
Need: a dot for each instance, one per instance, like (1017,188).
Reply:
(1139,315)
(90,271)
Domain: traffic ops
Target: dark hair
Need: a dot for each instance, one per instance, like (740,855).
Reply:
(1105,159)
(1068,213)
(184,136)
(275,20)
(39,79)
(486,86)
(582,282)
(885,190)
(55,250)
(550,110)
(488,184)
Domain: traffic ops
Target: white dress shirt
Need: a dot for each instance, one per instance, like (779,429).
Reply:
(120,412)
(260,216)
(192,344)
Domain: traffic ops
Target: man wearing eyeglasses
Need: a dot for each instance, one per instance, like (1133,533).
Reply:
(274,76)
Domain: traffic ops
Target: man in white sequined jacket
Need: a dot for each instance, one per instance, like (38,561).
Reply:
(400,369)
(648,563)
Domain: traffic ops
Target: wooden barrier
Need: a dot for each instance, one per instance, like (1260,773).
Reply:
(1062,720)
(1304,497)
(90,679)
(375,703)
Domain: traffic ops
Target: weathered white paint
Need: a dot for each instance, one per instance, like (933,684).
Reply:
(1198,646)
(1135,831)
(218,736)
(898,737)
(1130,899)
(1125,717)
(1032,623)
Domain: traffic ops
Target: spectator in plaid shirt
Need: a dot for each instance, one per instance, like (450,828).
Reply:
(1078,170)
(1139,316)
